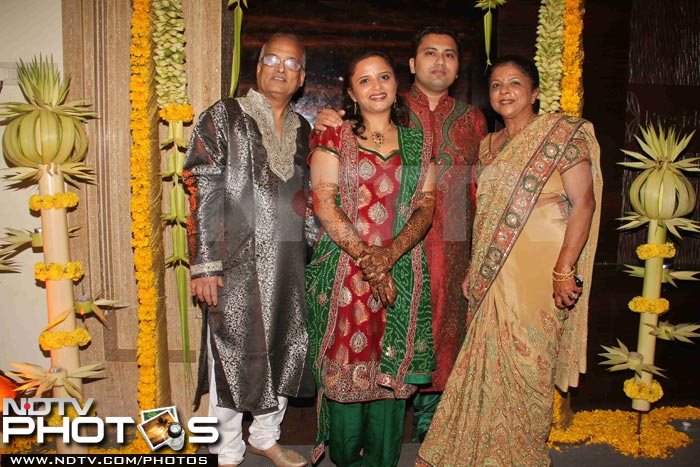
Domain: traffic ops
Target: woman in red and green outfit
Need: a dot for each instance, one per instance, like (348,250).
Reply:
(368,289)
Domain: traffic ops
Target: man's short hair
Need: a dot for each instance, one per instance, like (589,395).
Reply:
(440,30)
(286,35)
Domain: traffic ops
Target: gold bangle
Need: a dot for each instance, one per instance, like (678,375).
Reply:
(564,274)
(562,279)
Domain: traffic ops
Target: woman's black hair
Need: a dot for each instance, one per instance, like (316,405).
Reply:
(399,110)
(525,65)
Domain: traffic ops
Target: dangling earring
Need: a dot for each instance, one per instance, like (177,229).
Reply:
(395,108)
(355,107)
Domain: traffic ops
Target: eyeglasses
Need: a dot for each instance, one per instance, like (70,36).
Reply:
(274,60)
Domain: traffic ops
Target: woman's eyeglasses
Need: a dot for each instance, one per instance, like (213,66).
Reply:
(274,60)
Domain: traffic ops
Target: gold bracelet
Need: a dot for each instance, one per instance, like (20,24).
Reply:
(562,279)
(562,276)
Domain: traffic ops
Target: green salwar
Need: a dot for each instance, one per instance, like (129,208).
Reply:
(424,405)
(366,434)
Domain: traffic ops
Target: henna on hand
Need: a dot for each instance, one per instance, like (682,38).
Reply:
(374,262)
(416,227)
(335,221)
(386,290)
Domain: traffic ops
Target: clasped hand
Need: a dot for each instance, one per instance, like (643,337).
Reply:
(566,293)
(376,263)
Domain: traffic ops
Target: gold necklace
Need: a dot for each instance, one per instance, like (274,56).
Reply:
(378,136)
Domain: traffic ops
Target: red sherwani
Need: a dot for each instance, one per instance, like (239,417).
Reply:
(457,128)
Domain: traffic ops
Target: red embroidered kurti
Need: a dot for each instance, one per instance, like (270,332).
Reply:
(456,129)
(352,359)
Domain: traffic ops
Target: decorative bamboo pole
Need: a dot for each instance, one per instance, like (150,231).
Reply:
(59,293)
(651,289)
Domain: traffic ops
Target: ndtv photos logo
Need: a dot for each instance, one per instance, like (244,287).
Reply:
(159,427)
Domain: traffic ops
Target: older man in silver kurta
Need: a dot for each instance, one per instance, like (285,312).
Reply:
(248,179)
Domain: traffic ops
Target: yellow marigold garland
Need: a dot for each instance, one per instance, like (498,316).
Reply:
(72,270)
(639,390)
(177,112)
(652,250)
(141,77)
(50,340)
(648,305)
(572,60)
(57,201)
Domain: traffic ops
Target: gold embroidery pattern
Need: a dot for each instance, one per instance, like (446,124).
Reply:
(362,225)
(367,169)
(383,186)
(374,305)
(359,285)
(345,297)
(364,197)
(280,154)
(360,314)
(361,377)
(358,342)
(378,213)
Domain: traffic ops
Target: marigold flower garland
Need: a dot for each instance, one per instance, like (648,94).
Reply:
(72,270)
(141,77)
(572,59)
(57,201)
(652,250)
(548,55)
(175,112)
(50,340)
(656,306)
(636,389)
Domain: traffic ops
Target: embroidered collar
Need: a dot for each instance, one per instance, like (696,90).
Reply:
(420,98)
(280,154)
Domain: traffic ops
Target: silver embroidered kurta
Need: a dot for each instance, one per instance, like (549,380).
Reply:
(248,196)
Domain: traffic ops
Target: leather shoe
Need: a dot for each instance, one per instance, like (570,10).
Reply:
(281,457)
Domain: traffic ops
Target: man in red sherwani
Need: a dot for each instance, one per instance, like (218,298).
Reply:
(456,129)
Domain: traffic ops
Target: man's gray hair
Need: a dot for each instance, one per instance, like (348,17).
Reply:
(286,35)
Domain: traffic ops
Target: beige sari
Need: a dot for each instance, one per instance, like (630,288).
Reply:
(497,407)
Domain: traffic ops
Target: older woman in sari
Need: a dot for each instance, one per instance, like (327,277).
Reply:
(534,240)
